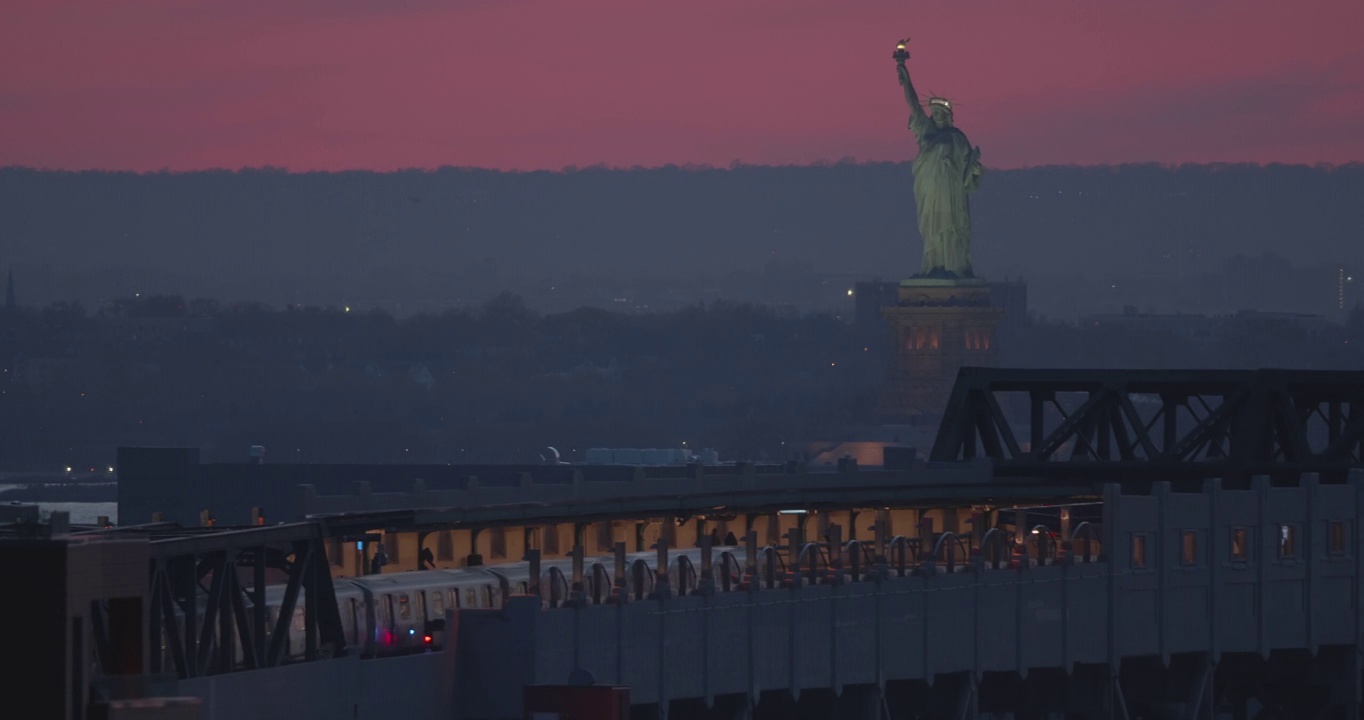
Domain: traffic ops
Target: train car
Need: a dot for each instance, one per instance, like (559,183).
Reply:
(400,607)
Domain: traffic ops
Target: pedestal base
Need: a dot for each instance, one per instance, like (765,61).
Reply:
(938,326)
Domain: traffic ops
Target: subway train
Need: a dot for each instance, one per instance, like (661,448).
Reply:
(403,612)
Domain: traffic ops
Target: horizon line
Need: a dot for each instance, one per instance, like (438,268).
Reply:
(685,167)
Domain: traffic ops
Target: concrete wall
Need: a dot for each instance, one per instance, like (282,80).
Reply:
(417,687)
(1191,594)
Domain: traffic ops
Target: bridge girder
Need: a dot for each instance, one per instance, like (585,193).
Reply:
(1178,425)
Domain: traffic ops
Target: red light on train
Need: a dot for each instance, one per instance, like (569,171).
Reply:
(427,639)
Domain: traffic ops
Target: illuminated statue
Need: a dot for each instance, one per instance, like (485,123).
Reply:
(946,172)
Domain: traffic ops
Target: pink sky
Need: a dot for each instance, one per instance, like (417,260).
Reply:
(543,84)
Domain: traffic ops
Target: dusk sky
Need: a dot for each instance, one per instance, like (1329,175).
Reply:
(544,84)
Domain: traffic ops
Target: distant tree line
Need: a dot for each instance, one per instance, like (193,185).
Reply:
(499,382)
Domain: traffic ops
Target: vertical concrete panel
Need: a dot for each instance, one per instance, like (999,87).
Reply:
(855,631)
(1136,627)
(1284,571)
(640,650)
(951,622)
(1332,597)
(1235,618)
(811,641)
(771,617)
(1043,605)
(684,646)
(555,651)
(728,655)
(597,641)
(1086,616)
(996,633)
(902,639)
(1186,557)
(496,654)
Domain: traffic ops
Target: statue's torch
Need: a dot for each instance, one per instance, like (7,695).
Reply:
(901,53)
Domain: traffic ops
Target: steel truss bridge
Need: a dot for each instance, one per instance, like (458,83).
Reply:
(1011,436)
(1178,425)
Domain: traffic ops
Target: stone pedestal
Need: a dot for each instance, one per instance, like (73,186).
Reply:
(937,326)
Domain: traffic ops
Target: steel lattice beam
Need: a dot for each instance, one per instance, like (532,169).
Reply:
(212,623)
(1197,423)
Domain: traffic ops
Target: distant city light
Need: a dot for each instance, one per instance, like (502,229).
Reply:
(111,468)
(68,468)
(347,308)
(850,293)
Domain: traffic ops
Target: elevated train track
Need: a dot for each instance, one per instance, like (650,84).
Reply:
(1008,438)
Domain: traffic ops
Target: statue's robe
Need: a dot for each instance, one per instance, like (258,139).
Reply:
(943,181)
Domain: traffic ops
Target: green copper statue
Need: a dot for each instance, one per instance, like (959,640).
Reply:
(946,172)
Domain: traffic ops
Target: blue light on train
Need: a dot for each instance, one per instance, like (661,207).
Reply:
(411,631)
(360,545)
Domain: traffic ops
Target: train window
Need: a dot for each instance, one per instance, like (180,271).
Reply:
(299,620)
(1188,547)
(494,596)
(454,598)
(385,613)
(1239,544)
(437,602)
(352,618)
(1138,550)
(470,597)
(404,608)
(1287,548)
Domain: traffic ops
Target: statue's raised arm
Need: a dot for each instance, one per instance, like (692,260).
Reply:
(911,97)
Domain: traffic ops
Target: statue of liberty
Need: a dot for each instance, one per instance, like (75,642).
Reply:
(946,172)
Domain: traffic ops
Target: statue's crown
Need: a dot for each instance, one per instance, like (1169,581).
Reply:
(942,102)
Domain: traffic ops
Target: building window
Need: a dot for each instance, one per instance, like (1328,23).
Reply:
(1287,548)
(1138,551)
(391,547)
(550,534)
(1239,546)
(445,546)
(1188,547)
(1336,537)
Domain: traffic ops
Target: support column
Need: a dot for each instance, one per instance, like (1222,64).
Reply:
(1114,703)
(859,702)
(968,699)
